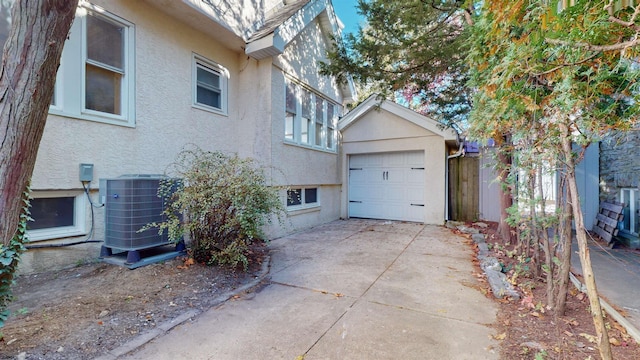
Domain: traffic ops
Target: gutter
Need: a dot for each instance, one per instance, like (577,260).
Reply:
(459,153)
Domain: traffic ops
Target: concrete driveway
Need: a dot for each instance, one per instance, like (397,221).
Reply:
(355,289)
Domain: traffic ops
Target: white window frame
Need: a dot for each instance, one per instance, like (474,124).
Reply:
(297,121)
(199,61)
(303,204)
(332,124)
(290,136)
(633,211)
(58,93)
(71,78)
(79,217)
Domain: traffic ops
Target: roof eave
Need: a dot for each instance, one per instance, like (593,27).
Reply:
(265,47)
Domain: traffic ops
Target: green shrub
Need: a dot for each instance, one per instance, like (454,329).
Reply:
(221,201)
(10,258)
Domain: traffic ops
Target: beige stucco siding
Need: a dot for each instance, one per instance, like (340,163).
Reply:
(254,109)
(302,165)
(297,165)
(165,120)
(382,131)
(301,60)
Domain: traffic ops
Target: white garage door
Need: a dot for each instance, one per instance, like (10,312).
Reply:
(387,186)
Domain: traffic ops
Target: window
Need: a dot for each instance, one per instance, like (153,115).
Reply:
(96,76)
(300,198)
(332,121)
(209,85)
(319,120)
(305,129)
(310,119)
(5,28)
(631,202)
(289,122)
(56,214)
(104,65)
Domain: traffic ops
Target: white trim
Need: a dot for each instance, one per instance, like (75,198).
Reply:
(79,208)
(299,88)
(199,61)
(302,205)
(71,78)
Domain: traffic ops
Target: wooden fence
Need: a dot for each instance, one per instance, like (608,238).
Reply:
(464,180)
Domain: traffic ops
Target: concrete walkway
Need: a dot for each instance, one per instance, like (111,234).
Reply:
(617,273)
(356,289)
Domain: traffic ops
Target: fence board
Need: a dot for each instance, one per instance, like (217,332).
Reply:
(464,178)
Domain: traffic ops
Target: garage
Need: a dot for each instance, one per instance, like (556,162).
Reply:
(394,163)
(387,186)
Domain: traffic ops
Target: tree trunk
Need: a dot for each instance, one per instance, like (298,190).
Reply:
(566,238)
(585,259)
(547,246)
(30,61)
(534,242)
(506,200)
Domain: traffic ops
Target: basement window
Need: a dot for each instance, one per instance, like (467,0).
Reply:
(56,214)
(302,198)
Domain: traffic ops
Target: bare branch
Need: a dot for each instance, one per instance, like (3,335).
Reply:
(567,64)
(467,15)
(609,7)
(632,21)
(600,48)
(629,24)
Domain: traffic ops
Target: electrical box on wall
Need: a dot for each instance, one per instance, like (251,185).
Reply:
(86,172)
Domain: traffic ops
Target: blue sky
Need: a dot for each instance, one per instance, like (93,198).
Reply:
(348,14)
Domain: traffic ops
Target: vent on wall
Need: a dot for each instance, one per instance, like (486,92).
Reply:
(131,202)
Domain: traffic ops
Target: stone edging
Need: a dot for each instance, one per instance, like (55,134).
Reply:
(500,286)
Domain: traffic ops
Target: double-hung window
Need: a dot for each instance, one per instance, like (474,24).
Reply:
(306,120)
(310,119)
(104,65)
(209,85)
(291,112)
(319,121)
(332,121)
(96,76)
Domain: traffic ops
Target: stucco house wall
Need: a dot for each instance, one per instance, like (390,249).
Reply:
(167,35)
(300,165)
(164,122)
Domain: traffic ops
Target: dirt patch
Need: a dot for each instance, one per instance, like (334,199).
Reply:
(526,329)
(83,312)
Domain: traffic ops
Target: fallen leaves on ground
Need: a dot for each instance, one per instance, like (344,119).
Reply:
(500,336)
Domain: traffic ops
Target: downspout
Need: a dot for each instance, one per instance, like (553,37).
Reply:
(459,153)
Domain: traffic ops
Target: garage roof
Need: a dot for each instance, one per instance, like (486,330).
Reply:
(374,103)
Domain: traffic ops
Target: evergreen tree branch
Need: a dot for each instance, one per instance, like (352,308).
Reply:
(600,48)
